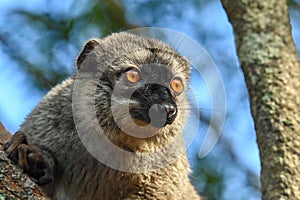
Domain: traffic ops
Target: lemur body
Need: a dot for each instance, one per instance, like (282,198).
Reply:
(75,172)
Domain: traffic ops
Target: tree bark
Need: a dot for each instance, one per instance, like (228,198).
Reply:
(14,184)
(270,64)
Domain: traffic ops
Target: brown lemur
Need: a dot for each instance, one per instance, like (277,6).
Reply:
(137,94)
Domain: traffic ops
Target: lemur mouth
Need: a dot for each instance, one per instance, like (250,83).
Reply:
(156,106)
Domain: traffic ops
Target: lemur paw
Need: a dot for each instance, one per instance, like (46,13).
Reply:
(29,158)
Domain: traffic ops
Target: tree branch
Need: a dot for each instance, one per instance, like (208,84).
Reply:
(270,64)
(14,184)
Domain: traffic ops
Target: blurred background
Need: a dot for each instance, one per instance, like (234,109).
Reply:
(40,39)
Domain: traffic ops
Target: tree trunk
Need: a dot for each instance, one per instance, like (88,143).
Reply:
(269,61)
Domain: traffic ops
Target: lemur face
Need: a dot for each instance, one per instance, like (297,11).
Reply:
(142,80)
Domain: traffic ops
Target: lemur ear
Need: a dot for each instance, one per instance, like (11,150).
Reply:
(88,47)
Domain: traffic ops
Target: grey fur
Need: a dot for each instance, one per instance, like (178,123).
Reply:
(77,174)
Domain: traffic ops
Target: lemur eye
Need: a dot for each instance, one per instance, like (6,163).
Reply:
(133,75)
(176,85)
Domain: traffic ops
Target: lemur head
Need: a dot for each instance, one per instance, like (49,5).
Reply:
(141,83)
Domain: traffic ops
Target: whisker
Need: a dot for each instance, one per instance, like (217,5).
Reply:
(179,44)
(201,109)
(146,98)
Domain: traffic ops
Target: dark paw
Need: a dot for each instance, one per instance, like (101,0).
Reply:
(29,158)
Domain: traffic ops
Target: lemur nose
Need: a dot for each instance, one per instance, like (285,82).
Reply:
(162,114)
(171,111)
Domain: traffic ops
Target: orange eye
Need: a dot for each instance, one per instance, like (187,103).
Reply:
(133,75)
(176,85)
